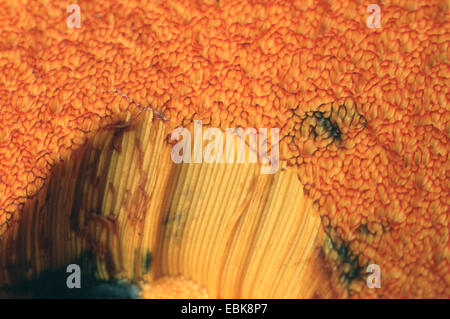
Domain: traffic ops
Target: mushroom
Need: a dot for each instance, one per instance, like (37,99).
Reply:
(364,132)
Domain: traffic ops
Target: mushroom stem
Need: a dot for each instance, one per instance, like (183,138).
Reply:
(227,229)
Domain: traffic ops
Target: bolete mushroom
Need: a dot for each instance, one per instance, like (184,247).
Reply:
(85,167)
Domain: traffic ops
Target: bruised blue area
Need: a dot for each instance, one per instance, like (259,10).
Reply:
(53,285)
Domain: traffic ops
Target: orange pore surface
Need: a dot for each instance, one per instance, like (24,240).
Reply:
(384,188)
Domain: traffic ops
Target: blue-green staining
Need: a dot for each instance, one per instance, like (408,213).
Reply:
(327,123)
(147,260)
(347,262)
(53,284)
